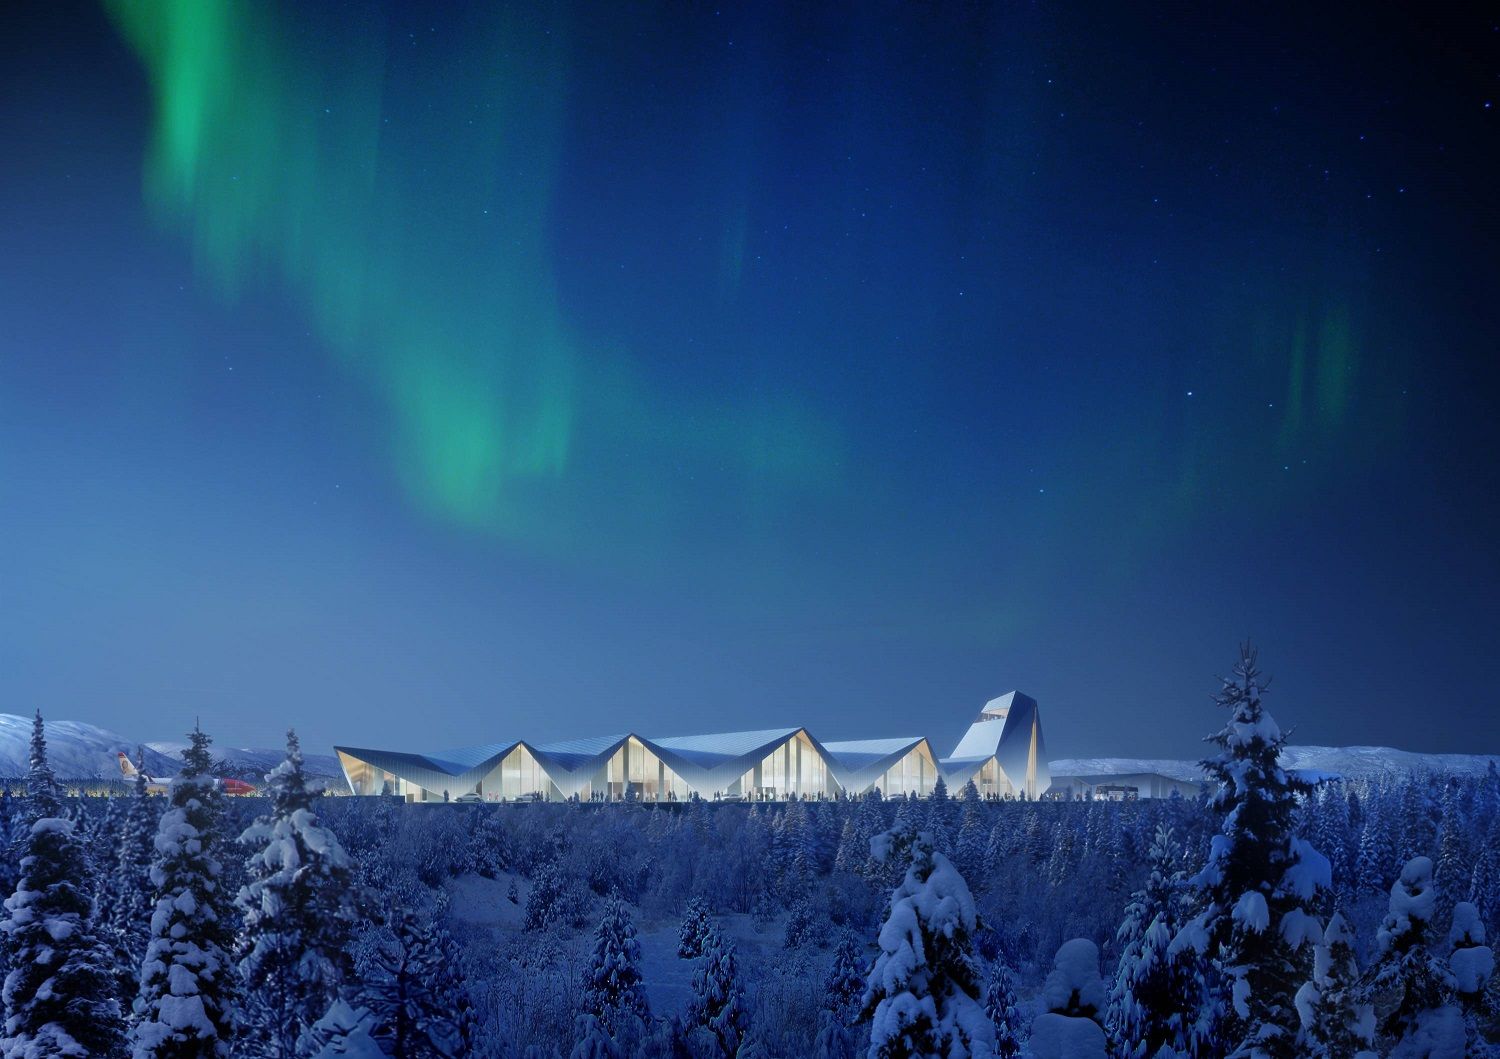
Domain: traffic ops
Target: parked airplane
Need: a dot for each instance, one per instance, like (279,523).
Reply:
(154,786)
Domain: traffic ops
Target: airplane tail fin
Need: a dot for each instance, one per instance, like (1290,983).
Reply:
(126,765)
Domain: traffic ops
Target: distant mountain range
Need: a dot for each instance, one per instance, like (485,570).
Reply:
(252,763)
(1351,762)
(81,751)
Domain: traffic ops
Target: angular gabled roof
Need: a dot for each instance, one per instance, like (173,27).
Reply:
(1004,730)
(463,758)
(574,755)
(859,763)
(713,762)
(456,771)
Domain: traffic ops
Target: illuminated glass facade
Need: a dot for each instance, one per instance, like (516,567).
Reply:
(795,769)
(916,773)
(635,771)
(516,776)
(1002,753)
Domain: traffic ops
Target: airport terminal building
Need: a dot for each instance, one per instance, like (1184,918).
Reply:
(1002,752)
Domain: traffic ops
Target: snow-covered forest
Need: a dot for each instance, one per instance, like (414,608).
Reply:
(1278,916)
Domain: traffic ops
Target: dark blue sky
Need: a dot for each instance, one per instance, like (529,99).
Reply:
(433,378)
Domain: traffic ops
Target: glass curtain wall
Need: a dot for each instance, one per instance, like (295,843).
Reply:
(992,781)
(793,769)
(913,774)
(518,776)
(365,778)
(635,771)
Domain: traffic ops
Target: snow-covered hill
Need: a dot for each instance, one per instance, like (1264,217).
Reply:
(251,763)
(1352,762)
(85,751)
(77,751)
(81,751)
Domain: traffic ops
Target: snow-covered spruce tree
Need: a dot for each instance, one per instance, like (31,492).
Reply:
(844,985)
(10,864)
(1332,835)
(1416,824)
(1455,857)
(923,995)
(833,1040)
(998,846)
(1034,838)
(544,904)
(43,792)
(696,925)
(1472,964)
(593,1040)
(59,996)
(1375,861)
(186,1003)
(1258,880)
(801,927)
(869,821)
(941,818)
(1410,979)
(973,836)
(1074,995)
(612,988)
(890,850)
(100,834)
(1145,1002)
(128,928)
(415,988)
(298,906)
(1004,1014)
(849,854)
(940,805)
(1335,1024)
(1484,879)
(718,1001)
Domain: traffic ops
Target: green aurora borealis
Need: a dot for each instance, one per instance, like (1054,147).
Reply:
(406,203)
(407,208)
(406,364)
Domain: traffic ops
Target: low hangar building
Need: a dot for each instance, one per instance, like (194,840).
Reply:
(1002,752)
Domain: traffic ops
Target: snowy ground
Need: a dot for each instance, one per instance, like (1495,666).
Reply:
(481,904)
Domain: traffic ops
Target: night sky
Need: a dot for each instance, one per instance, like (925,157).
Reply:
(422,377)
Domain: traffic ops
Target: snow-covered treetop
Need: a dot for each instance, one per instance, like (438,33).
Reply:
(1413,900)
(197,762)
(937,894)
(288,783)
(1251,740)
(1073,986)
(1468,928)
(1338,931)
(1472,961)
